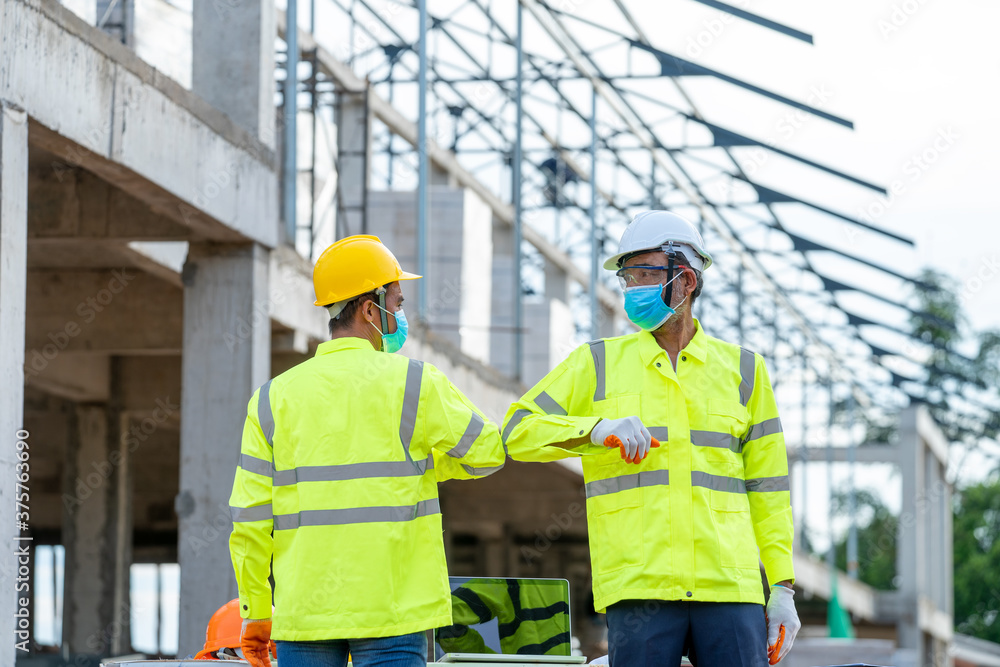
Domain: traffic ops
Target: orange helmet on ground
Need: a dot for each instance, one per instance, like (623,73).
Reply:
(223,632)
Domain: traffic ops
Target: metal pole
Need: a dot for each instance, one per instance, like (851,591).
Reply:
(852,535)
(289,134)
(516,196)
(739,301)
(422,161)
(830,554)
(594,241)
(804,455)
(313,83)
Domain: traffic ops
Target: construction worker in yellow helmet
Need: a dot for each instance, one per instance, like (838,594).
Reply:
(337,482)
(684,464)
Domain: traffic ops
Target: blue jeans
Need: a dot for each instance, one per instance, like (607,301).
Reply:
(402,651)
(717,634)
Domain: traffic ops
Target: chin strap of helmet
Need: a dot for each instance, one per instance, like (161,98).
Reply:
(671,253)
(381,302)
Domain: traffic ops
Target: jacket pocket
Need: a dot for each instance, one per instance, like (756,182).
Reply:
(728,416)
(734,527)
(616,522)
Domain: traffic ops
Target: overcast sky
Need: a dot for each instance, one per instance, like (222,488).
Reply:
(919,80)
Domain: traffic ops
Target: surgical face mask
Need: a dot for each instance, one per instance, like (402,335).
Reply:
(645,307)
(393,342)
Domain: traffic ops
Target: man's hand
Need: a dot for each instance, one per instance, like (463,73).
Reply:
(782,622)
(255,637)
(633,438)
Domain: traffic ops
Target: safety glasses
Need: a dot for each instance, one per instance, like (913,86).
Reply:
(641,274)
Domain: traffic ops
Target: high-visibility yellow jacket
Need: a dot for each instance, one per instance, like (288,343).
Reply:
(531,619)
(341,457)
(687,522)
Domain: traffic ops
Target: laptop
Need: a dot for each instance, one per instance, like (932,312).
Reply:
(507,620)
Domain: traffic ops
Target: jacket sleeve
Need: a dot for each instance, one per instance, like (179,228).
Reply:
(553,412)
(464,443)
(765,464)
(250,545)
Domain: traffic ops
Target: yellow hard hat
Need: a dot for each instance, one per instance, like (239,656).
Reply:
(353,266)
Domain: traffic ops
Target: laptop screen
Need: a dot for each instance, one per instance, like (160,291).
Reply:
(507,616)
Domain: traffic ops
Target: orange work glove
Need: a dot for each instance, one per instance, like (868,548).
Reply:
(628,434)
(613,441)
(255,640)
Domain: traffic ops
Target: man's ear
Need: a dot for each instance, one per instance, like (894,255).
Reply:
(691,278)
(368,310)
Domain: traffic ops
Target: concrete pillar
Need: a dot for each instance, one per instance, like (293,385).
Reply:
(13,280)
(909,546)
(354,160)
(120,21)
(226,356)
(232,64)
(458,276)
(502,309)
(608,324)
(561,327)
(97,535)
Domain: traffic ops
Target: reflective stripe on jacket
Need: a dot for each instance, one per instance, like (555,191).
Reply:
(341,456)
(687,522)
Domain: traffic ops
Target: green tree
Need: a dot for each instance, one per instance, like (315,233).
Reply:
(977,560)
(877,531)
(940,323)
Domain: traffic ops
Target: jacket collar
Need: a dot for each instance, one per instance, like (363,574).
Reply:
(347,343)
(697,347)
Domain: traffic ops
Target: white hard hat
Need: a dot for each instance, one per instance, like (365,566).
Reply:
(655,230)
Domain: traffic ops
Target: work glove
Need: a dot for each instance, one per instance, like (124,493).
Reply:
(782,623)
(628,434)
(255,640)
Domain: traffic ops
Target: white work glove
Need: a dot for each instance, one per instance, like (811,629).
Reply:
(628,434)
(782,622)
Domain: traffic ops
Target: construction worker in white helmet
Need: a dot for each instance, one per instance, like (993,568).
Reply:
(684,463)
(337,482)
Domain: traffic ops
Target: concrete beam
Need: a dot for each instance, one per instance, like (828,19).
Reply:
(212,176)
(866,453)
(84,311)
(226,357)
(71,204)
(13,276)
(813,575)
(233,62)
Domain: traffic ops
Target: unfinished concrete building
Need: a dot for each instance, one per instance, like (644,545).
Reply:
(151,282)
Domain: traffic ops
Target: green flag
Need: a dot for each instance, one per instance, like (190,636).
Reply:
(837,618)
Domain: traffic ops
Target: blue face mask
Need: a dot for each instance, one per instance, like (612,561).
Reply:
(645,307)
(394,342)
